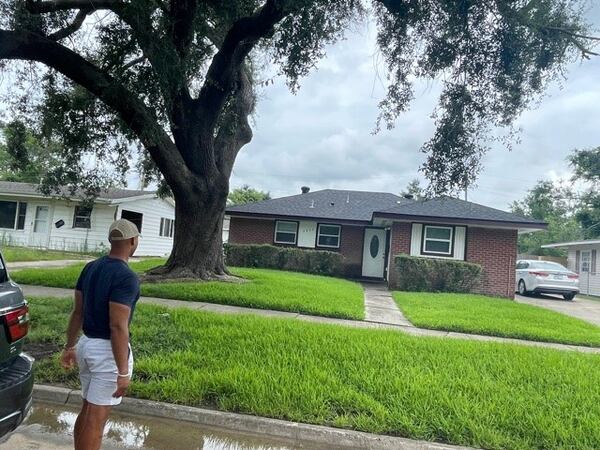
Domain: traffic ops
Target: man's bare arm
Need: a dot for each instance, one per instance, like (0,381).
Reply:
(73,329)
(119,334)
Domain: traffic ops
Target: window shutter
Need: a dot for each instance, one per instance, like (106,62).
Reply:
(577,260)
(594,262)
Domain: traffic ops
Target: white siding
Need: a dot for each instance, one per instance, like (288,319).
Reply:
(80,239)
(307,234)
(96,237)
(415,239)
(589,282)
(151,243)
(460,241)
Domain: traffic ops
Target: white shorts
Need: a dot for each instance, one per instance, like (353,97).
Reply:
(98,370)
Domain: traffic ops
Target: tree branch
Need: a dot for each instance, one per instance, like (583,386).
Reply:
(239,41)
(72,27)
(183,14)
(34,47)
(134,62)
(235,131)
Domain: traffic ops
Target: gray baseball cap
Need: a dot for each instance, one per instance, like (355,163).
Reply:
(121,230)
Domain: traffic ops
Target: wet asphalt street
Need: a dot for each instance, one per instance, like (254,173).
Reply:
(50,427)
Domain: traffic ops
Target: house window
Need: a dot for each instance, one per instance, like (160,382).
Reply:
(12,215)
(21,216)
(82,217)
(586,261)
(437,240)
(286,232)
(166,227)
(133,217)
(329,236)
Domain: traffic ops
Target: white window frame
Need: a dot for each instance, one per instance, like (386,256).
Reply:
(277,222)
(450,241)
(589,261)
(167,226)
(338,235)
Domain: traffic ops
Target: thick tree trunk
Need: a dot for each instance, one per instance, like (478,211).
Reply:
(198,245)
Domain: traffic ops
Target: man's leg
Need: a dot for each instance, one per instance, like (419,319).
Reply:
(91,427)
(79,422)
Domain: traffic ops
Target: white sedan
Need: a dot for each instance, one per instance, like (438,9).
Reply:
(546,277)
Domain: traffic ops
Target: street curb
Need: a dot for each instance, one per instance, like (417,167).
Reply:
(243,423)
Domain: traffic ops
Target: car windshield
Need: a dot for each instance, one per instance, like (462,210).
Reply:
(547,265)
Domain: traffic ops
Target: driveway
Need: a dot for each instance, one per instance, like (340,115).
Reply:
(581,308)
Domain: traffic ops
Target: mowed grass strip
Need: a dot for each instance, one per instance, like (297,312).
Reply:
(469,313)
(264,289)
(488,395)
(18,254)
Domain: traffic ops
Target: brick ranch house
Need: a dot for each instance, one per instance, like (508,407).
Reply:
(369,228)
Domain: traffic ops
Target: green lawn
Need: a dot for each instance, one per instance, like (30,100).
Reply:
(265,289)
(14,254)
(489,395)
(479,314)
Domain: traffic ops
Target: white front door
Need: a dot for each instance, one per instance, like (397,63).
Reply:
(39,231)
(373,264)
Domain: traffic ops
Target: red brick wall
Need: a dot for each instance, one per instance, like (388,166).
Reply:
(351,247)
(399,243)
(251,231)
(258,231)
(496,251)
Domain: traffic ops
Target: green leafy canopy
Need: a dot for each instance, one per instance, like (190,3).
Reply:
(176,72)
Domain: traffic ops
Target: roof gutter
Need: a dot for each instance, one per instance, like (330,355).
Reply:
(287,217)
(458,220)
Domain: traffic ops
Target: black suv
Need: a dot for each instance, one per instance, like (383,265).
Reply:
(16,374)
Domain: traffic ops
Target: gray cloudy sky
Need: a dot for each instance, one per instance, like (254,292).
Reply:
(321,137)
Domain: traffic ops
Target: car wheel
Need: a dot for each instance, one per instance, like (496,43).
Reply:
(569,296)
(522,288)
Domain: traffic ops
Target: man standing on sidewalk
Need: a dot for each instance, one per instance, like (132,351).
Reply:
(105,298)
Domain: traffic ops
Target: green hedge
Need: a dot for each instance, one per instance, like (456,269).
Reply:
(285,258)
(435,275)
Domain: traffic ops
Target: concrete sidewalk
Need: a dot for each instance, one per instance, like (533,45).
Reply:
(44,264)
(375,297)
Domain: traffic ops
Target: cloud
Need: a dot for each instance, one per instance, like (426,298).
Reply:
(322,136)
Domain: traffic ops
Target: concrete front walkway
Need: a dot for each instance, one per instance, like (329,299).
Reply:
(380,307)
(580,308)
(378,299)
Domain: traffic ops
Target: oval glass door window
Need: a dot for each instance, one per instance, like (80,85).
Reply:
(374,246)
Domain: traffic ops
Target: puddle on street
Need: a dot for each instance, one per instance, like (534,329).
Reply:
(134,432)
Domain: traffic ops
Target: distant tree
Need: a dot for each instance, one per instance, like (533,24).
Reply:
(23,157)
(586,167)
(550,203)
(415,189)
(246,194)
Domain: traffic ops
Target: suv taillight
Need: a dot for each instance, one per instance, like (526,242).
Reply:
(17,322)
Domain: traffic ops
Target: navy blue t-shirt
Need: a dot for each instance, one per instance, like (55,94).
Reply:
(102,281)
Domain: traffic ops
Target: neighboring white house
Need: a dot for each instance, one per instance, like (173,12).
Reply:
(583,258)
(30,218)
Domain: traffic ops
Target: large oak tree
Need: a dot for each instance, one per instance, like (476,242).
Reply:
(178,77)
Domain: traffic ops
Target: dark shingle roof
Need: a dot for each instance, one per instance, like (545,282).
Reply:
(450,207)
(14,188)
(326,204)
(362,206)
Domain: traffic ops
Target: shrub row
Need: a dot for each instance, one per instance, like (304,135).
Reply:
(284,258)
(435,275)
